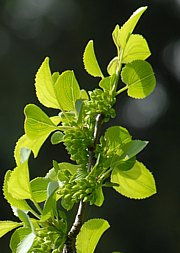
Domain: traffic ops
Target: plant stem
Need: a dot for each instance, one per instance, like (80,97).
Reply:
(69,246)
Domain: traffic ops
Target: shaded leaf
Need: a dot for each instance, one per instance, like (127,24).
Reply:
(90,62)
(57,137)
(132,148)
(139,77)
(89,235)
(136,183)
(17,237)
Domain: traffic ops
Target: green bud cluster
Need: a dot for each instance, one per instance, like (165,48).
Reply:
(77,140)
(101,103)
(48,239)
(81,189)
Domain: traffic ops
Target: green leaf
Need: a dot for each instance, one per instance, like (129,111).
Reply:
(89,235)
(26,243)
(136,183)
(136,49)
(50,209)
(44,84)
(132,148)
(17,237)
(128,27)
(116,136)
(6,226)
(67,90)
(72,168)
(39,188)
(25,144)
(139,77)
(18,183)
(37,123)
(84,95)
(113,66)
(19,203)
(99,196)
(107,83)
(90,62)
(57,137)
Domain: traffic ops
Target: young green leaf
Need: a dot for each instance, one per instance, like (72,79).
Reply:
(30,144)
(17,237)
(99,196)
(50,209)
(139,77)
(37,123)
(18,183)
(67,90)
(19,203)
(113,66)
(45,86)
(136,49)
(89,235)
(107,83)
(136,183)
(128,27)
(57,137)
(27,242)
(26,144)
(6,226)
(39,188)
(90,62)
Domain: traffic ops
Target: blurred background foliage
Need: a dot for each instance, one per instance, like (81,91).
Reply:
(60,29)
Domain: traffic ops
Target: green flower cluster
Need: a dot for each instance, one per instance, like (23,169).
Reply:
(48,239)
(81,189)
(77,140)
(100,103)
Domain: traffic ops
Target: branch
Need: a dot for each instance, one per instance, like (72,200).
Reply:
(69,246)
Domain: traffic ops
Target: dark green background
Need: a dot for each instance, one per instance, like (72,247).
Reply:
(60,29)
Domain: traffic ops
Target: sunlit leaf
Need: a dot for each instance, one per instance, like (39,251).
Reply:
(107,83)
(113,66)
(128,27)
(37,123)
(117,136)
(44,84)
(18,183)
(136,183)
(90,62)
(89,235)
(136,49)
(67,90)
(139,77)
(39,188)
(19,203)
(6,226)
(17,237)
